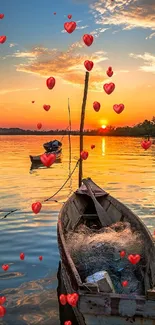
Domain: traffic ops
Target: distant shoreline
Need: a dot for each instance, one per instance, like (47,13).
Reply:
(145,129)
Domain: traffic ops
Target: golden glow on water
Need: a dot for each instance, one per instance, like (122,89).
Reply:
(103,146)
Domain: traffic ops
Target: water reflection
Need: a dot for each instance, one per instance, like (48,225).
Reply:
(103,146)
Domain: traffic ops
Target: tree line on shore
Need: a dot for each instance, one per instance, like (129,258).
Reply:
(146,128)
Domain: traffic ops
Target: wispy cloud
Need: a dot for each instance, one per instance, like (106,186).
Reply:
(7,91)
(97,31)
(149,61)
(128,14)
(68,65)
(12,44)
(151,36)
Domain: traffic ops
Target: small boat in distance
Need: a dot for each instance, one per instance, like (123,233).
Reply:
(54,147)
(92,208)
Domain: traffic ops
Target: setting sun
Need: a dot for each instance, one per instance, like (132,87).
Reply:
(103,126)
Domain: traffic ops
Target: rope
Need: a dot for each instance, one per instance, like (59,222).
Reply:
(48,199)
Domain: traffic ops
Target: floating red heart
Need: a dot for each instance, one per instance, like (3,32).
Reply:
(70,26)
(48,159)
(33,101)
(84,155)
(39,126)
(36,207)
(2,300)
(69,16)
(92,146)
(88,65)
(2,39)
(118,108)
(125,283)
(1,16)
(5,267)
(88,39)
(22,256)
(63,299)
(122,254)
(134,259)
(40,258)
(146,144)
(67,322)
(2,311)
(46,107)
(72,299)
(50,82)
(109,72)
(96,106)
(109,88)
(54,13)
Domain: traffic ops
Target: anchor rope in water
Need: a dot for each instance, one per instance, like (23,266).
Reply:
(49,198)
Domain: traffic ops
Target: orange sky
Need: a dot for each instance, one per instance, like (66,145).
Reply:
(25,65)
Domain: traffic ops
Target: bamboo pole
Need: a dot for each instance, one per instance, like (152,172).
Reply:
(82,124)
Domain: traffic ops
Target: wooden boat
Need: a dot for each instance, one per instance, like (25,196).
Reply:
(91,203)
(36,162)
(54,147)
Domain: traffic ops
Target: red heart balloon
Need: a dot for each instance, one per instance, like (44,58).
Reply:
(5,267)
(2,300)
(118,108)
(33,101)
(1,16)
(2,311)
(69,16)
(88,39)
(134,259)
(84,155)
(122,254)
(72,299)
(63,299)
(88,65)
(70,26)
(125,283)
(67,322)
(22,256)
(46,107)
(109,73)
(92,146)
(39,126)
(48,159)
(2,39)
(54,13)
(96,106)
(36,207)
(146,144)
(50,82)
(109,88)
(40,258)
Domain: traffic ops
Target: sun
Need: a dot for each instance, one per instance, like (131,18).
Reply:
(103,126)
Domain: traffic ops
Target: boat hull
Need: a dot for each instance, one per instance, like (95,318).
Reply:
(36,161)
(112,309)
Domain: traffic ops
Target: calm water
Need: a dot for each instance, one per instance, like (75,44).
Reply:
(119,165)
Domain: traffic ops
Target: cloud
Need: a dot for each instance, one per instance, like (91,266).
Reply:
(126,13)
(149,61)
(68,65)
(97,31)
(12,44)
(150,36)
(7,91)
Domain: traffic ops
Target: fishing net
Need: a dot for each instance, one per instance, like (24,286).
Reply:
(99,250)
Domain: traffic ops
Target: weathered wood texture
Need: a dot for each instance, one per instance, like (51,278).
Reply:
(108,320)
(82,124)
(116,305)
